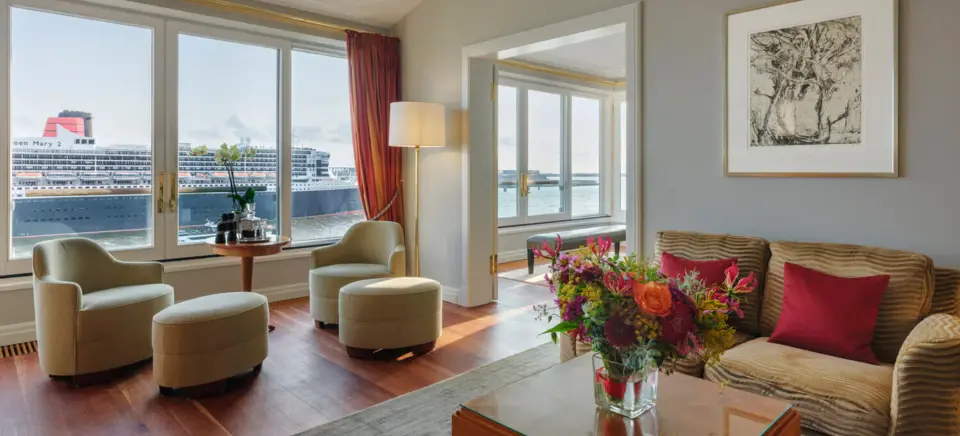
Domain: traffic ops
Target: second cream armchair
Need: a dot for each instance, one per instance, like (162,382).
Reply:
(369,250)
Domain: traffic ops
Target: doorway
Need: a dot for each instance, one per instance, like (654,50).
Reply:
(549,142)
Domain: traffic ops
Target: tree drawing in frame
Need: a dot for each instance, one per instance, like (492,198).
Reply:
(805,84)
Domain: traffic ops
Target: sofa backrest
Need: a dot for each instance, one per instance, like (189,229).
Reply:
(751,255)
(946,292)
(908,298)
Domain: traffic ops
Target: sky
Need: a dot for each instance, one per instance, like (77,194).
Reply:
(544,132)
(227,90)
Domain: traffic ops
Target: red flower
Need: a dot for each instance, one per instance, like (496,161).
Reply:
(731,274)
(680,322)
(618,333)
(746,284)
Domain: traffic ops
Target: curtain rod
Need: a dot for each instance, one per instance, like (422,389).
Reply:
(253,11)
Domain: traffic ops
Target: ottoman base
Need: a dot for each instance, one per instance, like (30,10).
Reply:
(389,354)
(324,325)
(213,388)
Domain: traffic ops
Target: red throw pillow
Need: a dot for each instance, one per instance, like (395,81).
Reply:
(711,271)
(828,314)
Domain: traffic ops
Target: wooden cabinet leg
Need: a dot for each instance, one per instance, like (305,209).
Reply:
(246,267)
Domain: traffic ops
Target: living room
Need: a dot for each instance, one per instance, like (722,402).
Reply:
(280,75)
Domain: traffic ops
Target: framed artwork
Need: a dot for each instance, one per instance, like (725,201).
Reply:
(811,90)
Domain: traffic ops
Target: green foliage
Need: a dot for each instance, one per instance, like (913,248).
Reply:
(228,156)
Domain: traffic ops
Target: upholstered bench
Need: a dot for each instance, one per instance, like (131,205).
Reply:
(390,314)
(209,339)
(575,238)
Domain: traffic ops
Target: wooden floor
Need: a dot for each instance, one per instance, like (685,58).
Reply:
(307,380)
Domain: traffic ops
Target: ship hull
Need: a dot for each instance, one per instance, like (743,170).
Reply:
(48,216)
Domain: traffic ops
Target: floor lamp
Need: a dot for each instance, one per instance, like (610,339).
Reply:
(415,125)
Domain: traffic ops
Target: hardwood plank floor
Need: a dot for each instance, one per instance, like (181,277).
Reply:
(307,380)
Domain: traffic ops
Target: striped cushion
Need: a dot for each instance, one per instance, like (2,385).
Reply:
(906,301)
(751,255)
(926,386)
(946,292)
(833,395)
(694,366)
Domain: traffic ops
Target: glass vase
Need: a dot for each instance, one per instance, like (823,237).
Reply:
(621,390)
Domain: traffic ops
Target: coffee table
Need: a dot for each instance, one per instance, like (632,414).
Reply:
(559,401)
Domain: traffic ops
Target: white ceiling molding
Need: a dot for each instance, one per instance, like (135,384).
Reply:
(380,13)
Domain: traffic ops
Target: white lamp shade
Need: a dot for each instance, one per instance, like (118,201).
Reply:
(415,124)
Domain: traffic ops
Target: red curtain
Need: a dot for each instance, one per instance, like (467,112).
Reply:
(374,84)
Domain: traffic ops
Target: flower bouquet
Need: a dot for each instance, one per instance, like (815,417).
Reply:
(636,320)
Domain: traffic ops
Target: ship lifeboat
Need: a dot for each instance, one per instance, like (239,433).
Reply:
(184,175)
(94,176)
(258,175)
(126,176)
(242,175)
(28,176)
(61,175)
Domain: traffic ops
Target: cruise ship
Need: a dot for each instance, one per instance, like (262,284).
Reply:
(65,182)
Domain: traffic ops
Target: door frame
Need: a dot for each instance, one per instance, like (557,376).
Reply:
(480,171)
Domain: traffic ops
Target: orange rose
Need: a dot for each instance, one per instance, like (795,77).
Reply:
(653,298)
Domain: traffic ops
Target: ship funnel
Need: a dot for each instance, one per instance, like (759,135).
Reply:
(87,120)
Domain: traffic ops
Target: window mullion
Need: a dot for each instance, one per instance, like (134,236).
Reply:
(5,138)
(285,125)
(567,147)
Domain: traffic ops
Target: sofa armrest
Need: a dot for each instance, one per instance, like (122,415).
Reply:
(56,307)
(137,273)
(324,256)
(926,385)
(398,261)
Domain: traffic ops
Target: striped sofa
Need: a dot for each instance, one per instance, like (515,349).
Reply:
(915,390)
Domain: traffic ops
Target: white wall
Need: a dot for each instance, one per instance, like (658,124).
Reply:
(432,38)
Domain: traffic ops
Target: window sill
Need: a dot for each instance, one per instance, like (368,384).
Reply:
(557,225)
(21,283)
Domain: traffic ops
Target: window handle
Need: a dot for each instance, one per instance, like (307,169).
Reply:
(160,200)
(174,190)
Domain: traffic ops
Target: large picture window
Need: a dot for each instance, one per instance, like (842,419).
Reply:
(552,167)
(81,131)
(109,111)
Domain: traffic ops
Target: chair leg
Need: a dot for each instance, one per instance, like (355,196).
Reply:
(616,248)
(319,324)
(529,261)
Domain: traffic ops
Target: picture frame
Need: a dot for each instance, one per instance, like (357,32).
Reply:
(811,90)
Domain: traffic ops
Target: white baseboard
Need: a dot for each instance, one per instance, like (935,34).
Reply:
(512,255)
(26,331)
(451,295)
(285,292)
(17,333)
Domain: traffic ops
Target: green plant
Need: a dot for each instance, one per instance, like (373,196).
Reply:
(229,156)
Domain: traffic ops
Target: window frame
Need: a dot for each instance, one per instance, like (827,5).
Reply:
(166,26)
(620,207)
(567,91)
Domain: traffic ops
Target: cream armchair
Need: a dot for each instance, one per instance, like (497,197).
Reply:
(93,312)
(369,249)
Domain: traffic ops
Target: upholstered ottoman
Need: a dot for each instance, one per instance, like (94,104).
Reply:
(209,339)
(390,313)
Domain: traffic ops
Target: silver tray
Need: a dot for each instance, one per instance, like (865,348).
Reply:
(252,241)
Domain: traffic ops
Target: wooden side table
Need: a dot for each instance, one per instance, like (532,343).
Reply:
(246,252)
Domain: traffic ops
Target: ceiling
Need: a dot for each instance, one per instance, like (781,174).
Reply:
(380,13)
(604,57)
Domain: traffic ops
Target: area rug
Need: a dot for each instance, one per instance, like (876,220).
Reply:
(521,275)
(428,410)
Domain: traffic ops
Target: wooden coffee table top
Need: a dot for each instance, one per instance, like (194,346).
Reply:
(560,401)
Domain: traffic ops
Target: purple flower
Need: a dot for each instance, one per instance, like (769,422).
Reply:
(574,309)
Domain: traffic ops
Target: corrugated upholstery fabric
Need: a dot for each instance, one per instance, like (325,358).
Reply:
(390,313)
(833,395)
(751,255)
(93,312)
(694,367)
(369,249)
(209,338)
(926,383)
(907,300)
(946,293)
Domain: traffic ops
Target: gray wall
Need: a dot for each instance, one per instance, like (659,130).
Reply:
(683,184)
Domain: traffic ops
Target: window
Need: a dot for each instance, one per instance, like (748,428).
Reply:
(585,145)
(227,94)
(507,194)
(73,78)
(326,201)
(556,157)
(107,110)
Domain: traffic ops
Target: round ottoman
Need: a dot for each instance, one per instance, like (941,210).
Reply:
(209,339)
(390,313)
